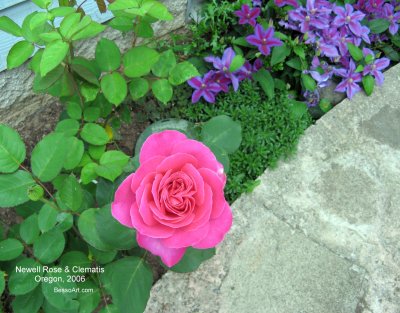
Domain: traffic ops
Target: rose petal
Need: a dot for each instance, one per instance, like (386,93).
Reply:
(175,162)
(124,197)
(218,228)
(217,187)
(184,238)
(159,144)
(169,256)
(144,170)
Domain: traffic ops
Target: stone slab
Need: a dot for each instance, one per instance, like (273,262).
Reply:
(321,233)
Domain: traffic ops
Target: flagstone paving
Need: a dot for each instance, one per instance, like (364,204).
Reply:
(320,234)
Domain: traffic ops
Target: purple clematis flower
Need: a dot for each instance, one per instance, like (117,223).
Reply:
(257,3)
(204,87)
(263,39)
(389,14)
(312,17)
(223,65)
(375,69)
(222,81)
(350,80)
(374,6)
(247,15)
(281,3)
(347,17)
(312,97)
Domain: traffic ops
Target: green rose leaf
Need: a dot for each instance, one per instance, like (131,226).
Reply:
(63,301)
(68,127)
(89,173)
(12,150)
(14,188)
(30,302)
(10,249)
(137,279)
(110,308)
(355,52)
(94,134)
(368,83)
(265,79)
(2,282)
(114,87)
(91,114)
(165,64)
(105,191)
(192,260)
(75,258)
(9,26)
(159,11)
(92,30)
(223,132)
(43,4)
(47,218)
(75,153)
(87,228)
(112,164)
(74,110)
(138,88)
(108,56)
(96,151)
(71,193)
(162,90)
(112,232)
(138,61)
(29,229)
(65,221)
(19,53)
(21,283)
(49,246)
(222,157)
(48,156)
(103,257)
(54,53)
(121,23)
(182,72)
(88,300)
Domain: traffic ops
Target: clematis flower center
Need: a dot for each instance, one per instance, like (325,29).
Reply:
(313,11)
(203,86)
(351,80)
(391,17)
(248,15)
(308,18)
(264,41)
(225,69)
(373,67)
(348,19)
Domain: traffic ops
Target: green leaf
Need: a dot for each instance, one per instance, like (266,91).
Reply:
(12,149)
(368,83)
(74,154)
(121,23)
(266,81)
(48,156)
(279,54)
(144,29)
(47,218)
(112,232)
(51,36)
(92,30)
(391,53)
(105,191)
(19,53)
(2,282)
(29,229)
(85,73)
(355,52)
(182,72)
(35,193)
(88,173)
(378,25)
(71,193)
(75,258)
(21,283)
(162,90)
(137,279)
(68,127)
(308,82)
(295,63)
(114,161)
(222,157)
(114,87)
(49,246)
(65,222)
(165,64)
(30,302)
(74,110)
(138,88)
(237,62)
(138,61)
(110,308)
(183,126)
(359,68)
(91,114)
(192,260)
(88,300)
(9,26)
(223,132)
(54,53)
(160,12)
(297,109)
(94,134)
(10,249)
(108,56)
(87,228)
(61,300)
(299,50)
(14,188)
(123,4)
(103,257)
(43,4)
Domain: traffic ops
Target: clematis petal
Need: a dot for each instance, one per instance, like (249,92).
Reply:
(170,257)
(382,63)
(197,95)
(124,197)
(195,82)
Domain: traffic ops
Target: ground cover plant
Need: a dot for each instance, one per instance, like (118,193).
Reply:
(224,103)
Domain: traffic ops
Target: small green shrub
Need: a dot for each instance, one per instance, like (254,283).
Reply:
(270,129)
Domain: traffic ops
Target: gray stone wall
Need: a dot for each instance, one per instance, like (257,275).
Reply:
(25,110)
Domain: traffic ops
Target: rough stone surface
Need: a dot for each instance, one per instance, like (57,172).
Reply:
(18,103)
(322,231)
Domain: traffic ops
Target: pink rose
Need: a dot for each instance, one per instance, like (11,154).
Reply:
(175,199)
